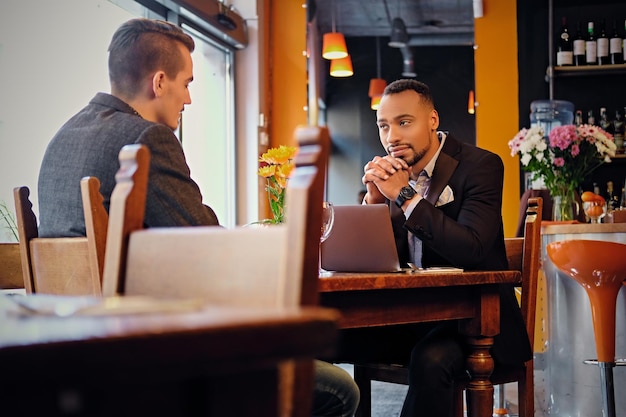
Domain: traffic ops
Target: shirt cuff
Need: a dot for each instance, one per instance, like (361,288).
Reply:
(412,205)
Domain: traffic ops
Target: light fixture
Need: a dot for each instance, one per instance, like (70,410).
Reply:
(377,85)
(399,35)
(375,102)
(471,104)
(341,67)
(334,43)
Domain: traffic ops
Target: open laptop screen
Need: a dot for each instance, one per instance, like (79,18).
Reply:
(361,240)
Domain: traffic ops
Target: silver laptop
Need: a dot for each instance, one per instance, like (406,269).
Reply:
(361,240)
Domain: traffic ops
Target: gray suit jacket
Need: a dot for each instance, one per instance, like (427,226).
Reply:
(88,145)
(467,232)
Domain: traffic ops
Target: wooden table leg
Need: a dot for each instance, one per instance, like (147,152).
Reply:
(480,366)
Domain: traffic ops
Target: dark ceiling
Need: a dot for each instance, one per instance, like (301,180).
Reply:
(428,22)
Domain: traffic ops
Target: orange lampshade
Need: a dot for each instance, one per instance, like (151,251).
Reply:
(334,46)
(377,87)
(341,67)
(471,103)
(375,102)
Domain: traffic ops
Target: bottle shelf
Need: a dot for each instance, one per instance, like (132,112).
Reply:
(586,70)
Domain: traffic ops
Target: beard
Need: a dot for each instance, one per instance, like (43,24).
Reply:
(414,157)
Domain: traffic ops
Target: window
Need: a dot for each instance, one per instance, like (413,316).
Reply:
(53,59)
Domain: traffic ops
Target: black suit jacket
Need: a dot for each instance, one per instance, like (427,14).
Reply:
(467,232)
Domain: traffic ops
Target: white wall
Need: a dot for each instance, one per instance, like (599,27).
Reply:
(52,62)
(41,47)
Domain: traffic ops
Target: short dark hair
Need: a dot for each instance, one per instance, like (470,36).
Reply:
(141,46)
(419,87)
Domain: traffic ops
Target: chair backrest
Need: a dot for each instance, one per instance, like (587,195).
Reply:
(264,265)
(126,213)
(313,150)
(96,223)
(52,265)
(524,254)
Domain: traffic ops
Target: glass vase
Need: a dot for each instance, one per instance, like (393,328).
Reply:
(565,207)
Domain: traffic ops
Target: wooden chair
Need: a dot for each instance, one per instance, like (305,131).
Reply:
(96,223)
(274,267)
(52,265)
(523,254)
(11,271)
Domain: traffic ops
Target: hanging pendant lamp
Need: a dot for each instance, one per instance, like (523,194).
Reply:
(471,103)
(334,46)
(377,85)
(375,102)
(334,43)
(399,36)
(341,67)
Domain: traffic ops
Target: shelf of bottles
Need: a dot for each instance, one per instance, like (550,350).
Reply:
(597,47)
(582,70)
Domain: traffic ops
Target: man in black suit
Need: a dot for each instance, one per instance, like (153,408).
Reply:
(150,68)
(445,200)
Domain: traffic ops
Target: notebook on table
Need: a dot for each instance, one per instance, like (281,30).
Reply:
(361,240)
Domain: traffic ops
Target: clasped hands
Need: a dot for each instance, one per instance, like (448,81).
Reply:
(384,177)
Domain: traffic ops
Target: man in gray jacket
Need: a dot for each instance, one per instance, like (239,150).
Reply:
(150,67)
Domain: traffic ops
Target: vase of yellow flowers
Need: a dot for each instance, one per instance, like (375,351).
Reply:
(563,159)
(276,167)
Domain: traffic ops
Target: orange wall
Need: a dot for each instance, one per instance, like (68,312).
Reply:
(287,71)
(497,95)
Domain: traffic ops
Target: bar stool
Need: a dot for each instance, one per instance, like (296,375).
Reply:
(600,267)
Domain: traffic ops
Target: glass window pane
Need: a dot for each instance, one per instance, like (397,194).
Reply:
(207,133)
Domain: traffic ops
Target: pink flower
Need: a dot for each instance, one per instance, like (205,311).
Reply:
(559,162)
(575,149)
(563,136)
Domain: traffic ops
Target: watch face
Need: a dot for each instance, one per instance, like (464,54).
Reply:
(407,192)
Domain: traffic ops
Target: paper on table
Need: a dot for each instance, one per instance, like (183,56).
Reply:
(66,306)
(437,270)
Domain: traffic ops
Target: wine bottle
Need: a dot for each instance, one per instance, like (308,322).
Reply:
(624,45)
(616,52)
(590,119)
(612,201)
(579,46)
(618,132)
(578,119)
(603,45)
(591,46)
(564,55)
(605,123)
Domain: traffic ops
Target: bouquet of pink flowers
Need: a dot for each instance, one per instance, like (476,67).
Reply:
(569,155)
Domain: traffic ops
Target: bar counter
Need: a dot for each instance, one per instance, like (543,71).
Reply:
(570,387)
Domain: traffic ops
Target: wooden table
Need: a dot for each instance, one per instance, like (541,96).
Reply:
(211,361)
(380,299)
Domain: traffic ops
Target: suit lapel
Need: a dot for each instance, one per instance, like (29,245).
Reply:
(444,168)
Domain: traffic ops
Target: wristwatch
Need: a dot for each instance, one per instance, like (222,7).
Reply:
(406,193)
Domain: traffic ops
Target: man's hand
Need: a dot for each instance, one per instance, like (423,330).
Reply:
(383,178)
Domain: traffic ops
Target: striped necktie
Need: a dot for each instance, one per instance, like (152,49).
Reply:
(415,244)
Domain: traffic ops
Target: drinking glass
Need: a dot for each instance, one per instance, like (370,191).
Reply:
(595,210)
(328,218)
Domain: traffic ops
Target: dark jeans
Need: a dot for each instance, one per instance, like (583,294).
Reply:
(435,353)
(335,392)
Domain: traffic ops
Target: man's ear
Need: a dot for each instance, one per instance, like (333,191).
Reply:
(158,80)
(434,120)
